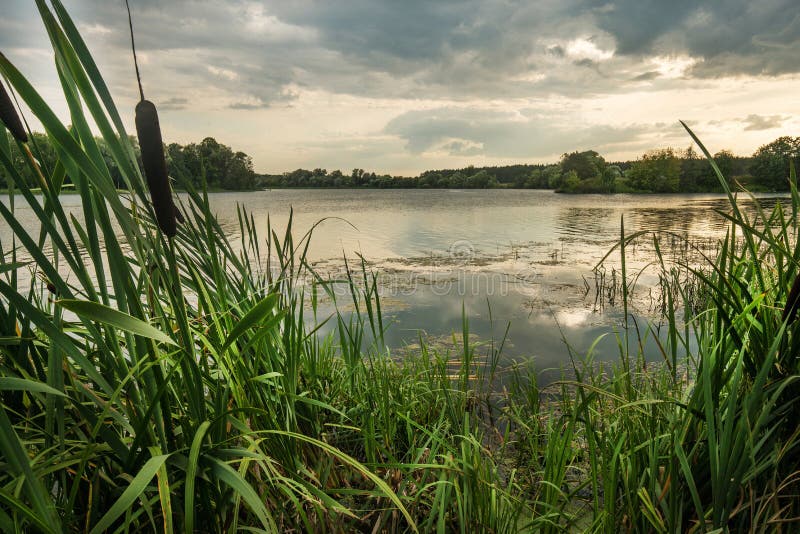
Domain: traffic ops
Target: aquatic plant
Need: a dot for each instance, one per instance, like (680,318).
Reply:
(148,131)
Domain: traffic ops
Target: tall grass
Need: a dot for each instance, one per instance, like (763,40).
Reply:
(182,384)
(709,441)
(174,384)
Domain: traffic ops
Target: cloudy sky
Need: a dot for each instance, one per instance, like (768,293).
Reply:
(400,86)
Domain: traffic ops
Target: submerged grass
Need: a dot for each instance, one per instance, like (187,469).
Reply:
(177,384)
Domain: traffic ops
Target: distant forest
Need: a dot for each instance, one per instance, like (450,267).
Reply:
(209,162)
(658,171)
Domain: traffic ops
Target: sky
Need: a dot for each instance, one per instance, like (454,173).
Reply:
(401,86)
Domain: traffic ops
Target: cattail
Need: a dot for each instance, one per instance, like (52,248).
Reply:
(792,301)
(178,214)
(148,131)
(8,114)
(155,165)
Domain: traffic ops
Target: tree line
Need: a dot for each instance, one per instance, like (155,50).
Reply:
(665,170)
(209,161)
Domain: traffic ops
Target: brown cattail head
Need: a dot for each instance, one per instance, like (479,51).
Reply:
(155,165)
(8,114)
(179,215)
(792,301)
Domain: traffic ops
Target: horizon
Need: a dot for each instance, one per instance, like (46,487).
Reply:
(679,153)
(400,89)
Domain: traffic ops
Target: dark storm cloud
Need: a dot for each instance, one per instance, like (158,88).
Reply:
(189,42)
(457,49)
(419,49)
(730,36)
(502,134)
(444,49)
(499,38)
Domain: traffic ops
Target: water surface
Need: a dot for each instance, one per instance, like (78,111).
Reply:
(497,257)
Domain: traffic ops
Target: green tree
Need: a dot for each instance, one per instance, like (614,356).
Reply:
(608,178)
(479,180)
(357,178)
(456,180)
(586,165)
(554,177)
(770,167)
(657,171)
(726,162)
(339,179)
(571,181)
(427,180)
(42,150)
(239,173)
(694,172)
(536,180)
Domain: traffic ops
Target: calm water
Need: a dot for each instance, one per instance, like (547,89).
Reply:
(523,258)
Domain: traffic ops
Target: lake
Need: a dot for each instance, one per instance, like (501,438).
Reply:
(524,258)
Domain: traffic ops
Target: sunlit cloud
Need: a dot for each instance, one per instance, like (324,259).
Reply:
(673,66)
(587,49)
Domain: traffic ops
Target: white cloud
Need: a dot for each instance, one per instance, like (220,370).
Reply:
(586,49)
(673,66)
(223,73)
(95,29)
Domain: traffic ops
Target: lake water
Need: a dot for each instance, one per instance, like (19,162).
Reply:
(519,257)
(522,258)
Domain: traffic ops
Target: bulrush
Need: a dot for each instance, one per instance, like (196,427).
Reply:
(148,131)
(155,165)
(792,301)
(8,114)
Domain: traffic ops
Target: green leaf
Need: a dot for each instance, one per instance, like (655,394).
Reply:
(18,462)
(131,493)
(10,383)
(164,494)
(16,506)
(104,314)
(229,476)
(251,318)
(55,335)
(267,377)
(191,473)
(382,486)
(13,266)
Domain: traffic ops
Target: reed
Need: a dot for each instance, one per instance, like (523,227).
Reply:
(148,131)
(154,163)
